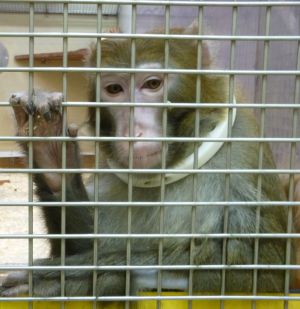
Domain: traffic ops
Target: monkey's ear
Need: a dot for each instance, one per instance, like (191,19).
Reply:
(193,28)
(114,30)
(88,58)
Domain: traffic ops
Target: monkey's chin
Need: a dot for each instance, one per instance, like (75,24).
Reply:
(145,161)
(150,161)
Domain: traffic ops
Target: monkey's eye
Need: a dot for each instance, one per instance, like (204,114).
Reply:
(114,88)
(152,84)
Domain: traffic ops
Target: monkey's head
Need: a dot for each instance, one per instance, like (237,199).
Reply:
(151,87)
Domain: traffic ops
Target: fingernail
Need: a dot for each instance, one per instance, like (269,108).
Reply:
(72,130)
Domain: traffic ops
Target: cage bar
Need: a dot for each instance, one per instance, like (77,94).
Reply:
(262,75)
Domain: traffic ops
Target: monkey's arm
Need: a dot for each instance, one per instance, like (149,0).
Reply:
(47,121)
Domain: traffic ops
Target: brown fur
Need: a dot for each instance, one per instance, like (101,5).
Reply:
(210,187)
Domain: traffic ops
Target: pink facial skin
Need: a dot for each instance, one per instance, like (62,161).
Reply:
(146,121)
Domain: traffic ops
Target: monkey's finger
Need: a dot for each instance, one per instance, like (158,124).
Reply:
(55,100)
(21,107)
(15,291)
(73,130)
(14,98)
(49,102)
(22,99)
(40,101)
(27,104)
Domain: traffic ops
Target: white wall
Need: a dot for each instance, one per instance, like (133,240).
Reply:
(10,82)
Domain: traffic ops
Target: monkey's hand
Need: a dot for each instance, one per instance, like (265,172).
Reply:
(14,284)
(45,108)
(47,283)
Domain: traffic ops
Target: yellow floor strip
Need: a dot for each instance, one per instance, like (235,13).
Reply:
(165,304)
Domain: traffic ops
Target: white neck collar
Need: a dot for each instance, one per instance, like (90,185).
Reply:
(205,152)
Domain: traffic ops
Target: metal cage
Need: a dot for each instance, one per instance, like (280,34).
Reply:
(255,43)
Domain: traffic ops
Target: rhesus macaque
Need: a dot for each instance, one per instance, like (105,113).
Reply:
(147,122)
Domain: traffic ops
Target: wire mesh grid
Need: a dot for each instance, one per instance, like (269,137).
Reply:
(50,8)
(178,224)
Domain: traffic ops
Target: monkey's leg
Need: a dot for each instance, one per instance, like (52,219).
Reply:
(79,281)
(47,121)
(210,252)
(239,252)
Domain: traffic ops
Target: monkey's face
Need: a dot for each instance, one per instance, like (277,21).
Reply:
(148,122)
(139,121)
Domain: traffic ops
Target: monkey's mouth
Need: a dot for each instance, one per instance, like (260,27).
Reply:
(145,155)
(149,160)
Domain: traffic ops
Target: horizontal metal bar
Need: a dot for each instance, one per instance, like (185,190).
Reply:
(148,171)
(149,139)
(162,71)
(152,236)
(197,105)
(152,267)
(152,36)
(168,2)
(152,204)
(274,297)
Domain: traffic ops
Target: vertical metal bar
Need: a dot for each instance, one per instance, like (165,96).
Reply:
(196,146)
(97,150)
(296,112)
(228,149)
(163,153)
(30,153)
(261,151)
(130,157)
(64,149)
